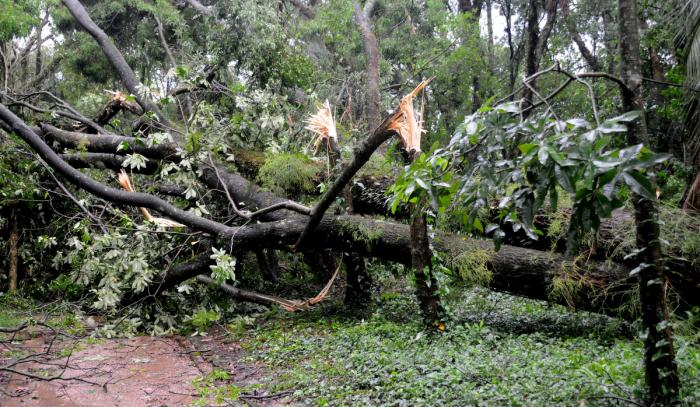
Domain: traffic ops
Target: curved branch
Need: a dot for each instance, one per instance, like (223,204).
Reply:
(98,189)
(115,57)
(110,143)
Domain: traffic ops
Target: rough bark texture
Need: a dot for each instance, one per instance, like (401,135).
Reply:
(369,40)
(106,161)
(536,45)
(98,143)
(115,57)
(661,371)
(13,254)
(421,258)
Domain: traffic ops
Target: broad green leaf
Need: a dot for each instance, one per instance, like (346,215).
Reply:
(639,184)
(526,148)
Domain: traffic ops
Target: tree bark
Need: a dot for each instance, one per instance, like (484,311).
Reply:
(13,254)
(519,271)
(661,371)
(536,45)
(421,258)
(489,26)
(369,40)
(115,57)
(358,291)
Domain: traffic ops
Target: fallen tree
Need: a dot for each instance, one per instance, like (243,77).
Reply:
(291,226)
(593,285)
(603,287)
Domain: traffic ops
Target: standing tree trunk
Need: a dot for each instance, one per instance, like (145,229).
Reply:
(660,366)
(358,291)
(13,253)
(474,8)
(362,16)
(489,27)
(426,284)
(422,261)
(536,45)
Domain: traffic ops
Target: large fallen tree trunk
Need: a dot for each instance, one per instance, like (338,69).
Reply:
(601,287)
(593,286)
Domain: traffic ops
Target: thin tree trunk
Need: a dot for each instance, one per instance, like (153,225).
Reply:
(421,257)
(474,8)
(422,262)
(609,24)
(536,45)
(513,60)
(37,61)
(13,253)
(362,16)
(358,292)
(661,371)
(489,25)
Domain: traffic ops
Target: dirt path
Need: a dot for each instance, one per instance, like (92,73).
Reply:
(141,371)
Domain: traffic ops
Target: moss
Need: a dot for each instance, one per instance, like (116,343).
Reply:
(569,283)
(248,162)
(291,174)
(471,266)
(680,235)
(362,233)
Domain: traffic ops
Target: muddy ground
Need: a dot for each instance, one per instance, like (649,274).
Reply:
(141,371)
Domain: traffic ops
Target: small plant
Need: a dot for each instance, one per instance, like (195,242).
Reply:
(212,392)
(237,329)
(64,287)
(202,319)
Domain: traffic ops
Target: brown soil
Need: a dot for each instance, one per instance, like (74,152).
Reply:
(141,371)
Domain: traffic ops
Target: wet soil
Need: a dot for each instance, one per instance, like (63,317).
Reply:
(140,371)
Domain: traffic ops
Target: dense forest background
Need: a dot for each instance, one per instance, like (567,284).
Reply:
(167,166)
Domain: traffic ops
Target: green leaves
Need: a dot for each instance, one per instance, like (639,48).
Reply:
(427,177)
(639,184)
(511,166)
(225,266)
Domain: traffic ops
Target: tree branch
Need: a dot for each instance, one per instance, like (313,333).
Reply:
(115,57)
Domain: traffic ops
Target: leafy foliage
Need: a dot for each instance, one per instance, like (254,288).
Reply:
(500,350)
(516,166)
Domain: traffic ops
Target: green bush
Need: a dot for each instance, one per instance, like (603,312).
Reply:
(64,287)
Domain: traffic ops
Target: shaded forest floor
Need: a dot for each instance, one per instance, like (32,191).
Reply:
(497,350)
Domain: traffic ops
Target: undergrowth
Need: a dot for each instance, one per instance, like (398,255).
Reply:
(497,350)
